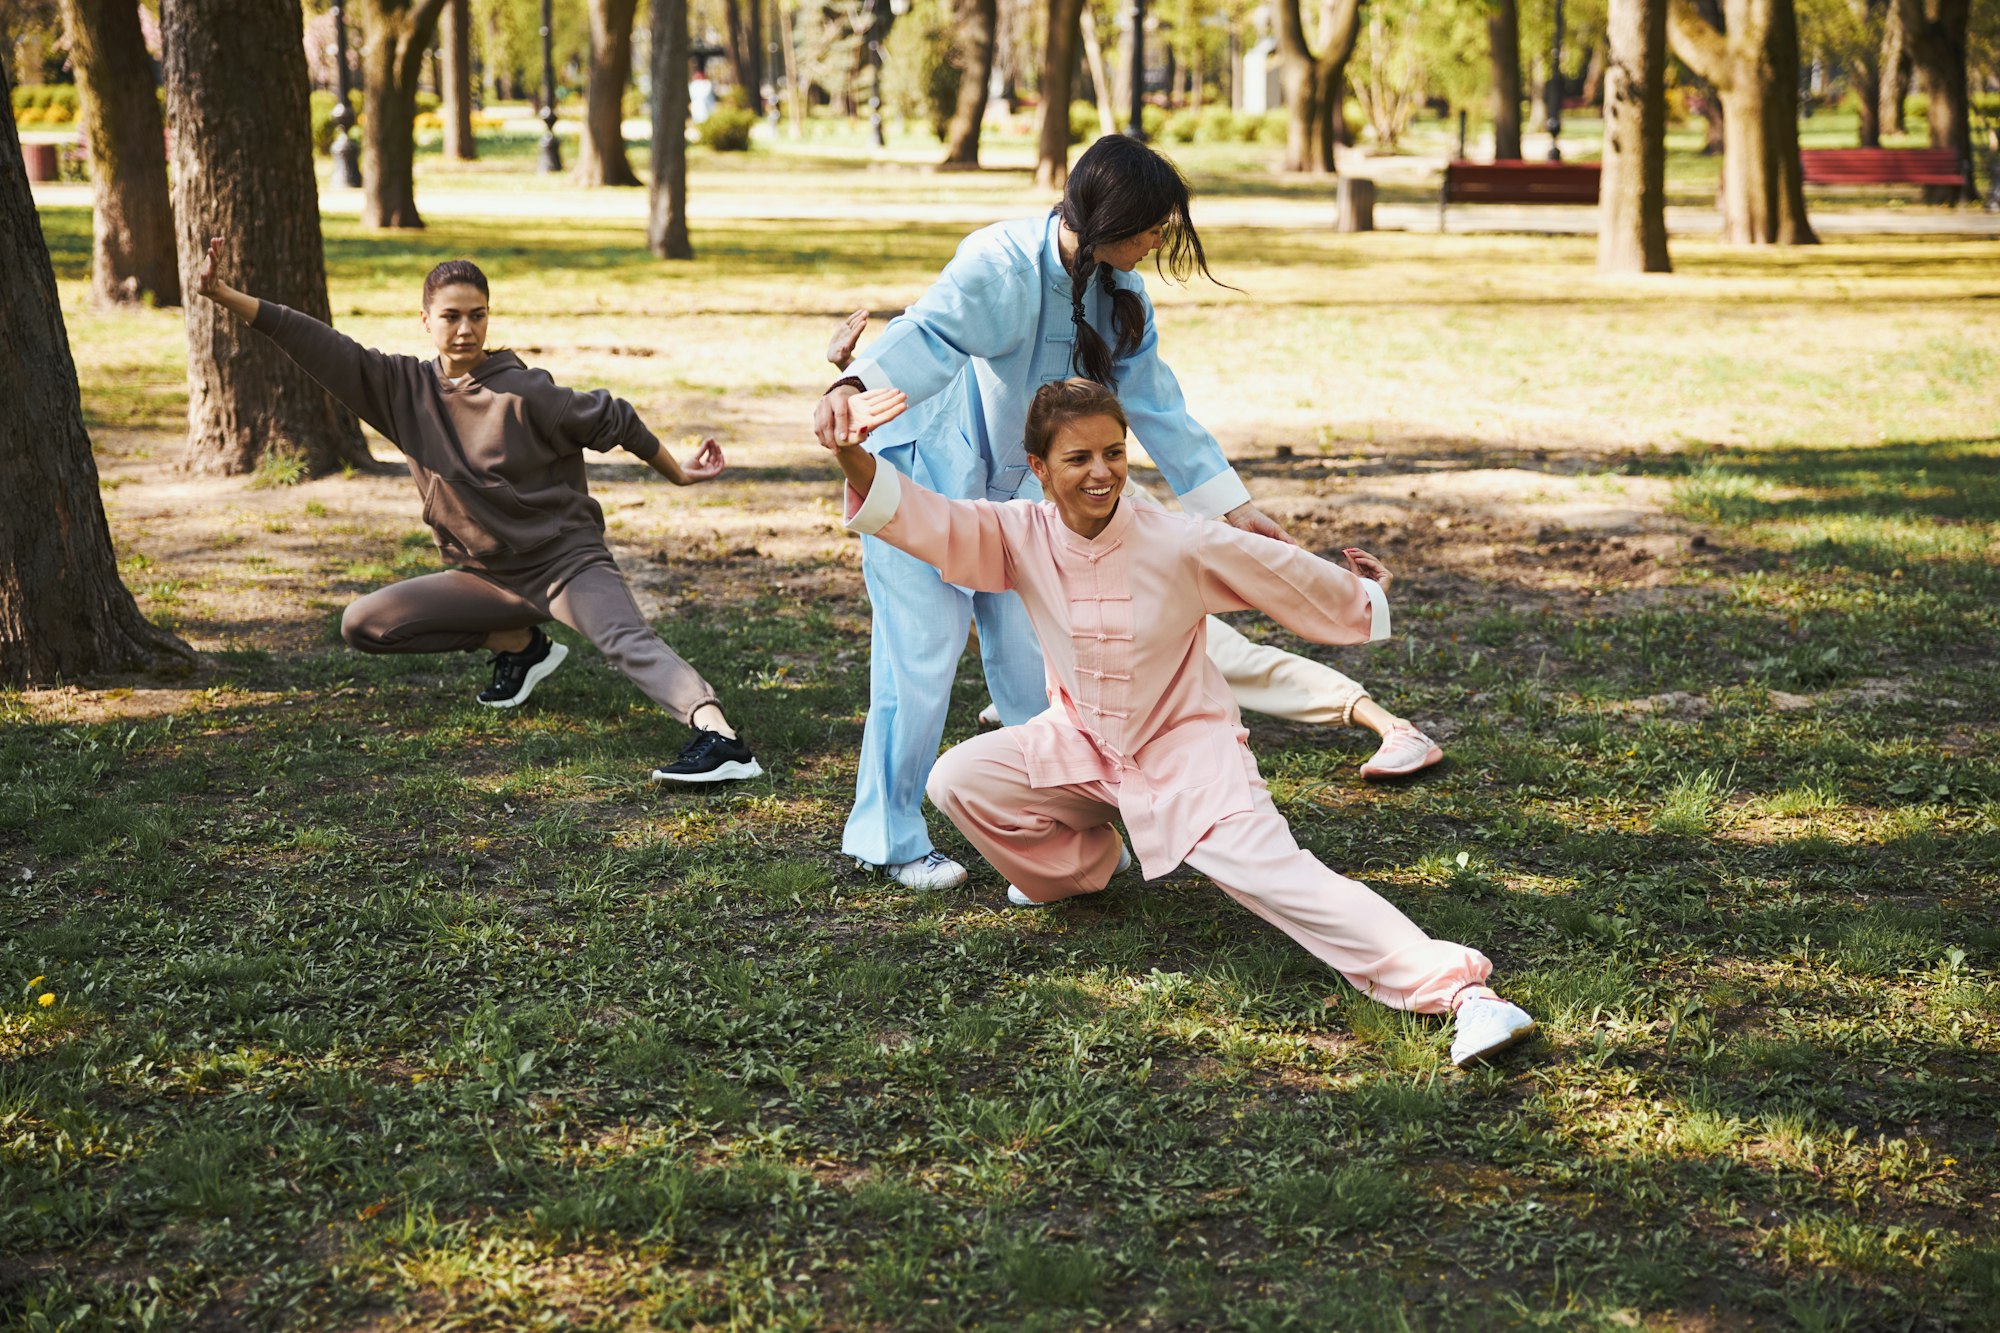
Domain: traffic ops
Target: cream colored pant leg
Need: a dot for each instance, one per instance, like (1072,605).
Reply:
(1050,842)
(1280,684)
(1343,923)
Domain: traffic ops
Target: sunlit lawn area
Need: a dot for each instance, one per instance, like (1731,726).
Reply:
(371,1008)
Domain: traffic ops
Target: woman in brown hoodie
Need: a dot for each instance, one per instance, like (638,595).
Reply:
(496,450)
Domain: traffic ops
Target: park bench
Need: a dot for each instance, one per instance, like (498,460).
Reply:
(1518,183)
(1883,166)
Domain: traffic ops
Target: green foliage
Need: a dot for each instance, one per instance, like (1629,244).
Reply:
(727,130)
(322,105)
(45,104)
(1083,123)
(921,73)
(1218,124)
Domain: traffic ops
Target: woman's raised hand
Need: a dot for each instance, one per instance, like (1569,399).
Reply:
(840,351)
(1367,566)
(705,464)
(875,407)
(205,281)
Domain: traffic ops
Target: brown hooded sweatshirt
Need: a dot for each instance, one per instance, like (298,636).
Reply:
(498,457)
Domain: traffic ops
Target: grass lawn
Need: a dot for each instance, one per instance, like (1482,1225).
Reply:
(372,1009)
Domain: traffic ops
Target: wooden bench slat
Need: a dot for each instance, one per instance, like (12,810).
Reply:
(1882,166)
(1522,182)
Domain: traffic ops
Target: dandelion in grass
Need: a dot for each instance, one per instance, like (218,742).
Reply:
(46,999)
(35,981)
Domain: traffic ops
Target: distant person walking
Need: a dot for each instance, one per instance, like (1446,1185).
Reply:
(497,452)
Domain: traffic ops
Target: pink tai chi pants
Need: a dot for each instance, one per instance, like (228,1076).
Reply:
(1057,842)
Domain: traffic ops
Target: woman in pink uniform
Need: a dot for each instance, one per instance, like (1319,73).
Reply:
(1140,723)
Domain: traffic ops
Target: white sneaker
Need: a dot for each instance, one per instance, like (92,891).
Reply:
(933,870)
(1020,899)
(989,716)
(1486,1026)
(1404,751)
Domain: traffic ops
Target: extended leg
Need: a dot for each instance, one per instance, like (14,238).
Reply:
(598,604)
(1050,842)
(1343,923)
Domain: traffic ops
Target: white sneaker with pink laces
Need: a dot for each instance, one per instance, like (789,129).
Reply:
(1404,751)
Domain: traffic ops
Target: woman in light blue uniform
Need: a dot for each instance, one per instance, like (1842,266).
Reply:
(1021,304)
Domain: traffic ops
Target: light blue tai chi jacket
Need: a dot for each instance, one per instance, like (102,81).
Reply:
(970,354)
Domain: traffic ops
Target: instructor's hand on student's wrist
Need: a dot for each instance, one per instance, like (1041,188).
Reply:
(1250,518)
(830,418)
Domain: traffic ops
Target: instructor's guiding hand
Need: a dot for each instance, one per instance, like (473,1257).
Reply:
(876,407)
(1250,518)
(1367,566)
(830,423)
(704,464)
(840,351)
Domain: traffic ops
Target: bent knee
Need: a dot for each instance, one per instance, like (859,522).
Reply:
(360,628)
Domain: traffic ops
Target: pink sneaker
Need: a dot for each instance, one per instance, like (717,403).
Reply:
(1405,750)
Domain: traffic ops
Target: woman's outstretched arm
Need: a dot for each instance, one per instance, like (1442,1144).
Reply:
(206,283)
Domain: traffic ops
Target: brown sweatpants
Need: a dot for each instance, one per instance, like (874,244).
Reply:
(456,610)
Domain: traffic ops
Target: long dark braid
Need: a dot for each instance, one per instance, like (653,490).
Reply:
(1117,189)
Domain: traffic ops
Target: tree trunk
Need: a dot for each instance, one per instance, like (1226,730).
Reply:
(1753,66)
(455,39)
(1314,85)
(132,246)
(1339,29)
(394,36)
(243,170)
(602,160)
(1295,77)
(1595,67)
(977,22)
(63,611)
(1938,32)
(667,221)
(1895,73)
(1100,80)
(1632,208)
(746,47)
(1503,36)
(1058,60)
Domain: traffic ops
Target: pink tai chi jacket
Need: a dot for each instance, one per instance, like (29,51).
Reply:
(1134,701)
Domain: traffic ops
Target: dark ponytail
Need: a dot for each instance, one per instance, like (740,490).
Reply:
(1117,189)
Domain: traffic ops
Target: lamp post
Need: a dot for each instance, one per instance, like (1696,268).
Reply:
(1135,124)
(346,153)
(551,150)
(1555,88)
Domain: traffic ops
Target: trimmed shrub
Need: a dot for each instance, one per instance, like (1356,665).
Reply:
(728,130)
(322,119)
(1217,124)
(1082,122)
(1181,126)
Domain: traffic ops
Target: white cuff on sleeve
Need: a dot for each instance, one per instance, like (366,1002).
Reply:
(879,506)
(1378,607)
(871,375)
(1217,496)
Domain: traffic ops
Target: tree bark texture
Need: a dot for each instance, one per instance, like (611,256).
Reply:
(243,170)
(602,160)
(132,225)
(63,611)
(1065,18)
(745,40)
(1314,85)
(667,222)
(1938,33)
(1896,72)
(1753,64)
(455,51)
(978,20)
(1632,200)
(1503,36)
(394,36)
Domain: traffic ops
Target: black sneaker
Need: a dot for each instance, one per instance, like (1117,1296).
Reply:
(711,757)
(515,675)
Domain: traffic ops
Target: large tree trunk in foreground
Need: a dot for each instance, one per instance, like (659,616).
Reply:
(63,611)
(1065,18)
(455,50)
(603,161)
(394,36)
(667,220)
(978,20)
(243,170)
(1938,33)
(132,245)
(1503,38)
(1753,65)
(1632,208)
